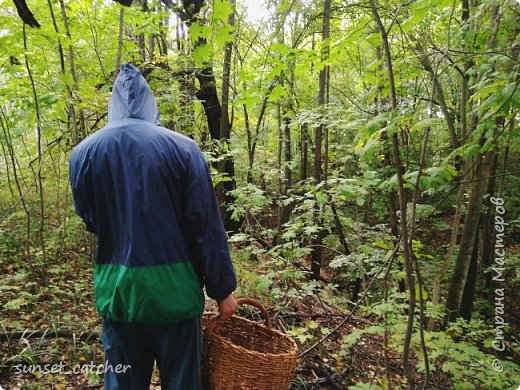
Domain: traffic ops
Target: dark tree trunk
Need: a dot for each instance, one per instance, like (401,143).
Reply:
(468,237)
(288,153)
(317,252)
(208,96)
(207,92)
(285,210)
(478,188)
(487,238)
(403,203)
(228,165)
(279,163)
(304,152)
(468,295)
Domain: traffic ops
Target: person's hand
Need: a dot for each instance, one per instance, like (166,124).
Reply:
(227,307)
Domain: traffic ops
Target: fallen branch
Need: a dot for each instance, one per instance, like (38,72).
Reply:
(47,333)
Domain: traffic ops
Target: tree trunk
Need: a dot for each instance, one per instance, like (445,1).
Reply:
(39,180)
(439,93)
(208,96)
(141,40)
(279,163)
(119,45)
(448,258)
(75,85)
(477,188)
(469,231)
(487,238)
(227,165)
(253,137)
(72,110)
(304,153)
(316,254)
(7,168)
(387,158)
(207,92)
(250,155)
(288,153)
(285,142)
(468,294)
(407,255)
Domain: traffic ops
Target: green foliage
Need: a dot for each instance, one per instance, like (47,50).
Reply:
(366,386)
(455,352)
(248,200)
(211,35)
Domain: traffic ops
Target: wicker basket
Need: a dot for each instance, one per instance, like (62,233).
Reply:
(241,354)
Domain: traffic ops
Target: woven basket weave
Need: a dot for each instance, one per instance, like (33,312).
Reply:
(240,354)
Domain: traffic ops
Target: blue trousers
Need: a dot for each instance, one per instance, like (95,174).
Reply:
(132,349)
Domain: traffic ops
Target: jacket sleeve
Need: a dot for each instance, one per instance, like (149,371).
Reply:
(79,175)
(206,230)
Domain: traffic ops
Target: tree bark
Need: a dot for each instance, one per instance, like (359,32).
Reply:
(468,294)
(318,160)
(477,190)
(448,257)
(304,153)
(72,109)
(250,155)
(207,92)
(75,87)
(119,44)
(287,153)
(279,163)
(253,137)
(405,243)
(469,231)
(227,165)
(439,93)
(39,180)
(7,168)
(285,149)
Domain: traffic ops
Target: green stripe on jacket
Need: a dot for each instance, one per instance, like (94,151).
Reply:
(157,293)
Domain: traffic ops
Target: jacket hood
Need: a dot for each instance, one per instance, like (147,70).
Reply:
(132,97)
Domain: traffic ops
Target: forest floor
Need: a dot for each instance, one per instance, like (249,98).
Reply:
(68,326)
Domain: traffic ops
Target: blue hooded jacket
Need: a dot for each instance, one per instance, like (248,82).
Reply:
(147,194)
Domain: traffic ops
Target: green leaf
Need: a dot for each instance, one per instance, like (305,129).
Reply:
(196,31)
(425,123)
(310,230)
(281,48)
(15,304)
(377,122)
(277,93)
(202,54)
(224,35)
(374,39)
(222,9)
(382,244)
(451,366)
(321,198)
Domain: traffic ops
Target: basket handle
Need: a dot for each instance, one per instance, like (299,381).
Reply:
(243,301)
